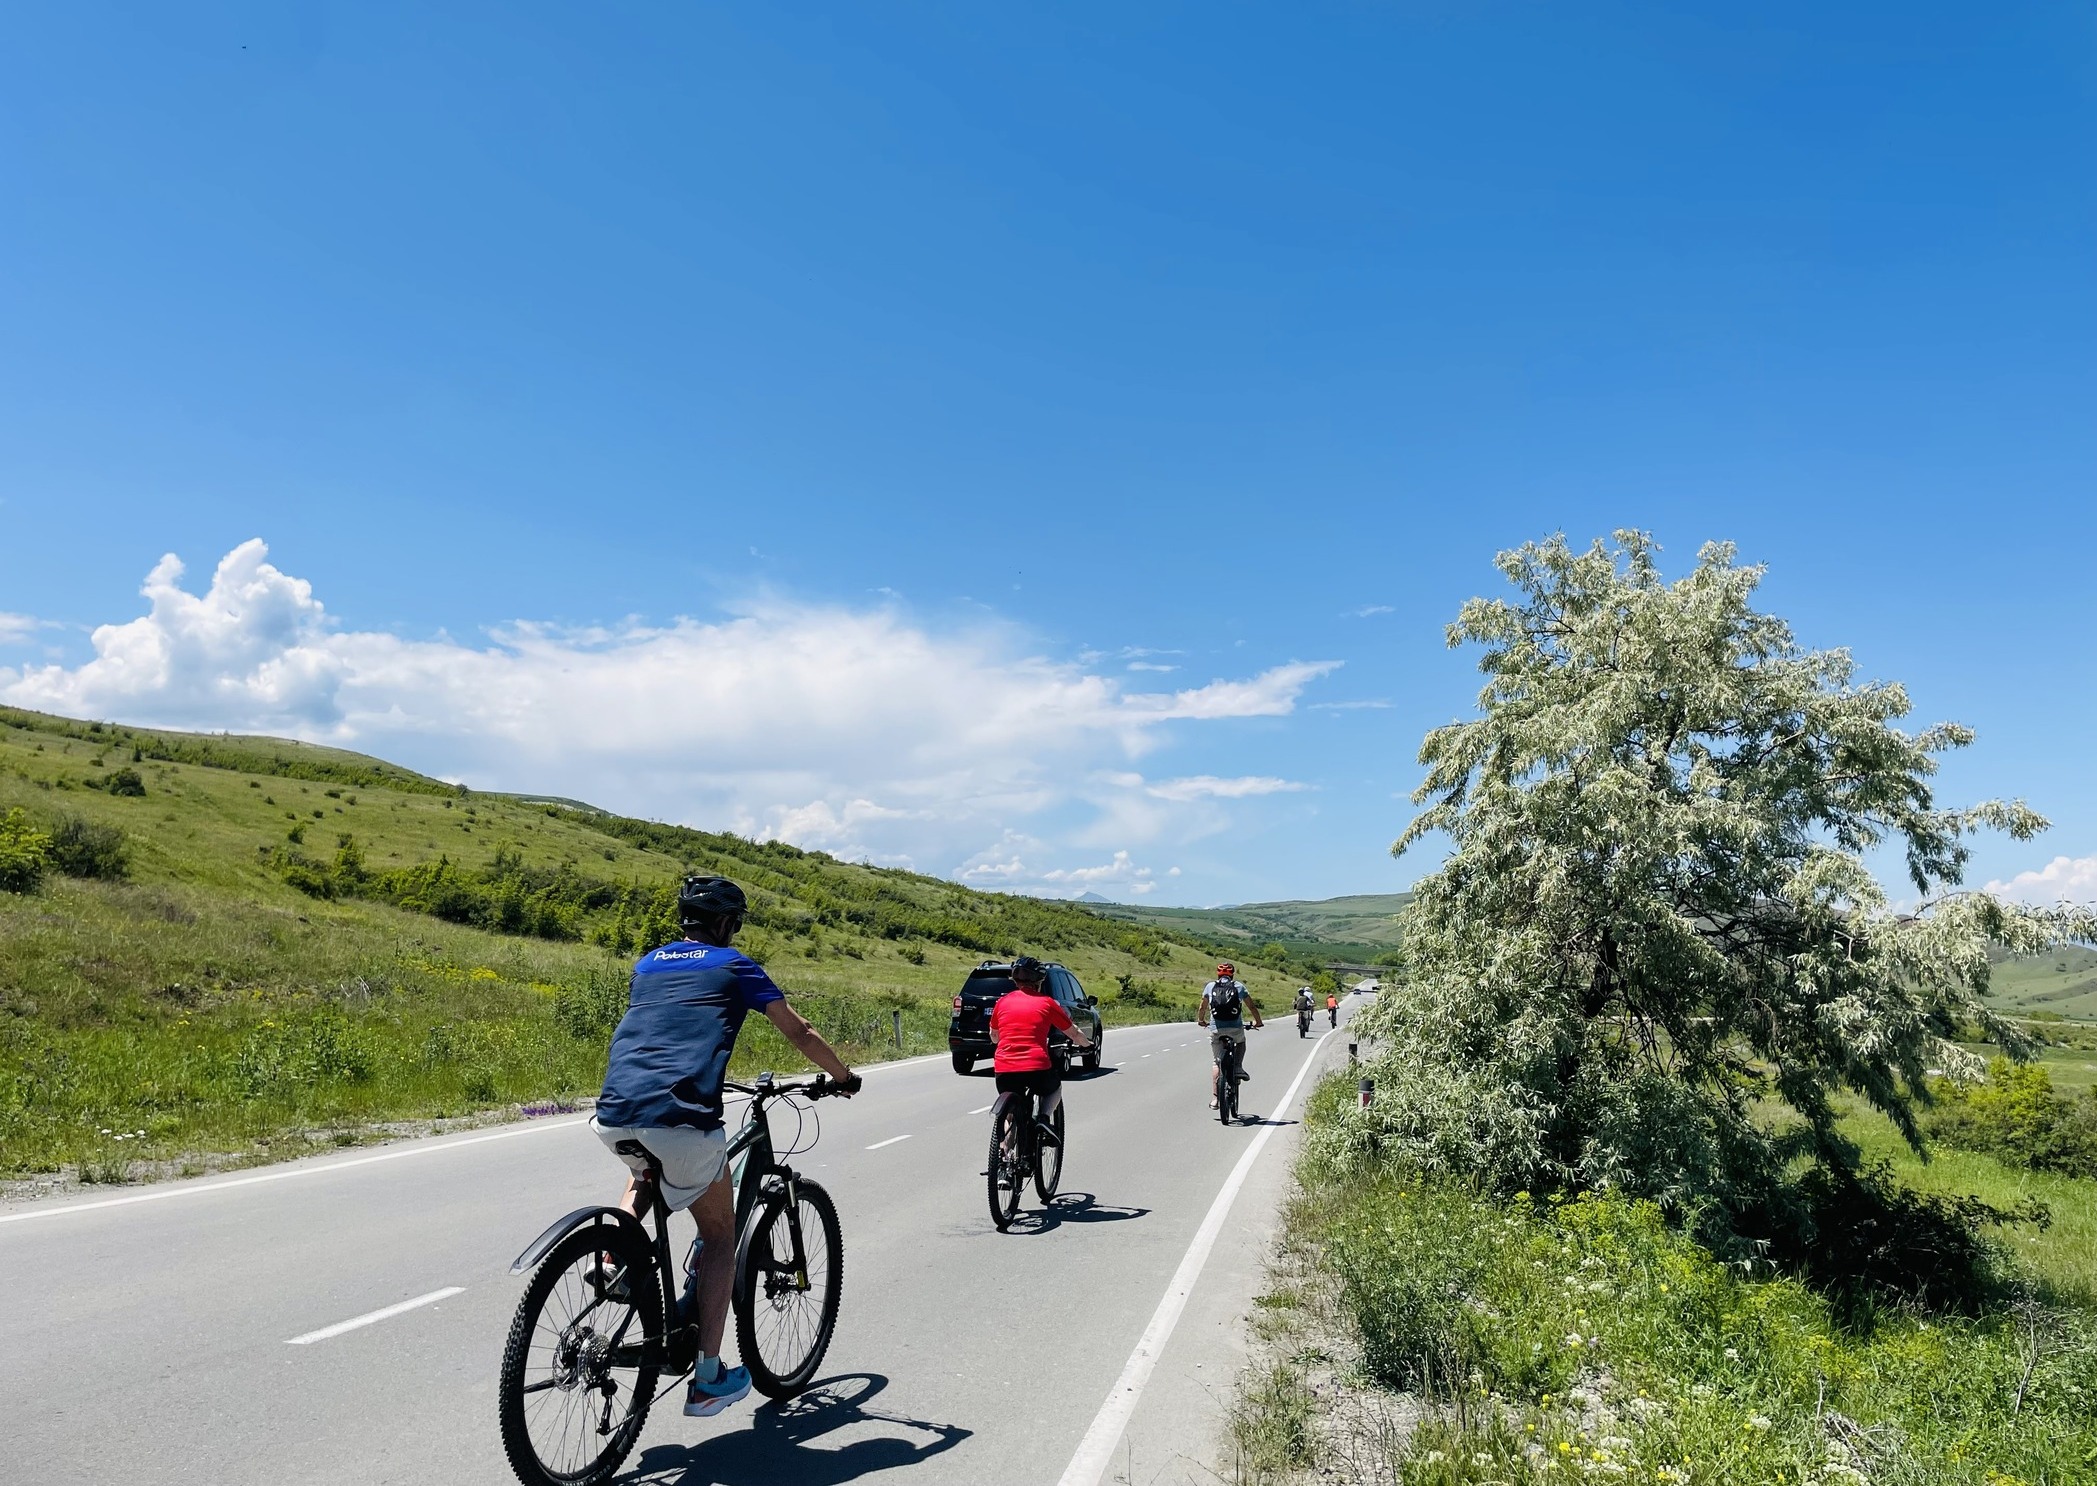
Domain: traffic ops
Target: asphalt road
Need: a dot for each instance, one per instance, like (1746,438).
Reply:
(152,1341)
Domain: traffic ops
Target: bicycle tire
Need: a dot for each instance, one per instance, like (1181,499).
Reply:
(1004,1200)
(1048,1162)
(784,1355)
(569,1261)
(1227,1089)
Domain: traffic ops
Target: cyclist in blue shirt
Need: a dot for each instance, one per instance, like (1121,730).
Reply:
(662,1088)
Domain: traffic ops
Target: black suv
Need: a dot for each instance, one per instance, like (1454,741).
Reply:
(968,1034)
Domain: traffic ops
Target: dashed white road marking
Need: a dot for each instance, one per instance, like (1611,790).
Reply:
(984,1110)
(384,1313)
(890,1141)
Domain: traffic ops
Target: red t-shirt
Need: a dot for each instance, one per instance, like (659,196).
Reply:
(1020,1022)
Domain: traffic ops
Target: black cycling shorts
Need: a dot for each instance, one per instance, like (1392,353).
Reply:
(1040,1082)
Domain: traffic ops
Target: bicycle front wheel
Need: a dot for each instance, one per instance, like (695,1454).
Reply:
(789,1274)
(579,1369)
(1048,1161)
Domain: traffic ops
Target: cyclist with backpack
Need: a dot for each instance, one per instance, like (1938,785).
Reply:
(1224,1002)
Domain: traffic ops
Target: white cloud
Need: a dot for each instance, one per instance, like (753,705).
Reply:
(854,730)
(1369,703)
(2073,878)
(1150,665)
(14,627)
(1209,787)
(1370,611)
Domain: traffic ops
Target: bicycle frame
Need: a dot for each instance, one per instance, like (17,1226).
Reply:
(760,1166)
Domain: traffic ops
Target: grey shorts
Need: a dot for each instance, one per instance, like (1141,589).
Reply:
(692,1160)
(1219,1036)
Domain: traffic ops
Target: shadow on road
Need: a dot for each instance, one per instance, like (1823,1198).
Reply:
(1073,1207)
(785,1444)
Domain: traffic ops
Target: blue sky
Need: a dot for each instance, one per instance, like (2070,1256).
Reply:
(833,421)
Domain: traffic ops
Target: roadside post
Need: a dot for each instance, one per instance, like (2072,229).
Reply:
(1368,1092)
(897,1017)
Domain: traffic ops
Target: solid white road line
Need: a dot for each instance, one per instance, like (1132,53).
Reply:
(400,1154)
(1096,1451)
(984,1110)
(385,1313)
(890,1141)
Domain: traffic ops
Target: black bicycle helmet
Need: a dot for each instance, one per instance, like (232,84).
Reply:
(711,902)
(1028,971)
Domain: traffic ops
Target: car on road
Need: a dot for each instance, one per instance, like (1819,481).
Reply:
(968,1034)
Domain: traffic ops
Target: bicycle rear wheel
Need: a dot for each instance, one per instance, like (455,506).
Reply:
(1005,1176)
(579,1369)
(1048,1161)
(786,1301)
(1227,1089)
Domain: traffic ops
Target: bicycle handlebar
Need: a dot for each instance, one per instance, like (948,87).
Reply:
(819,1087)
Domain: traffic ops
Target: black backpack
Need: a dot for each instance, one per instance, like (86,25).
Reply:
(1227,1000)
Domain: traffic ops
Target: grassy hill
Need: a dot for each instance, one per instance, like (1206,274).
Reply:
(2063,983)
(1355,930)
(244,945)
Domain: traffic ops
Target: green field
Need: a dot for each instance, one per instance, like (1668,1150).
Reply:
(1420,1332)
(203,1007)
(1359,929)
(2063,983)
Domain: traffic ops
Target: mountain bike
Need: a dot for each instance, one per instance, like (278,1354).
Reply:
(1228,1080)
(600,1321)
(1018,1154)
(1303,1021)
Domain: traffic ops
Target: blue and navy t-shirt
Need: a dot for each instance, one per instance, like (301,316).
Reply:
(670,1054)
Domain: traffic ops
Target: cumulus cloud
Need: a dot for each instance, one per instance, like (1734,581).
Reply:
(2073,878)
(854,730)
(1209,787)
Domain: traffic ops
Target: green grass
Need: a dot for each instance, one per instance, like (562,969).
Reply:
(204,1006)
(2063,983)
(1588,1340)
(2062,1256)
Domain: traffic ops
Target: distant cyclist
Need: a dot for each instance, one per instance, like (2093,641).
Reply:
(1305,1007)
(1332,1007)
(669,1059)
(1224,1002)
(1020,1023)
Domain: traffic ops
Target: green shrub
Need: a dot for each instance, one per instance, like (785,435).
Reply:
(2016,1117)
(1591,1332)
(591,1008)
(125,781)
(1129,991)
(280,1058)
(81,848)
(25,853)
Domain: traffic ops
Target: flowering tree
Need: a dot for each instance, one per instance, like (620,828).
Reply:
(1655,929)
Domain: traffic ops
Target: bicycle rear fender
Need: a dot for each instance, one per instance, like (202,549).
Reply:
(541,1246)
